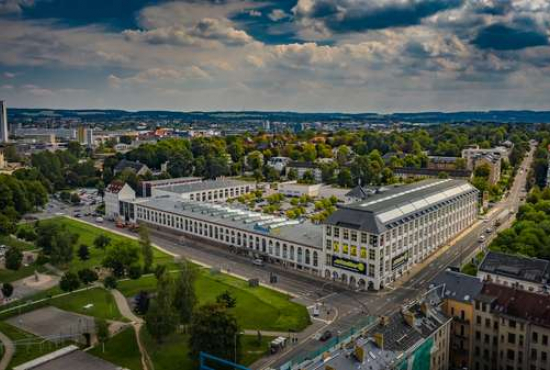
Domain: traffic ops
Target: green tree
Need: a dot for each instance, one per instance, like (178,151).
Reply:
(83,252)
(69,282)
(161,318)
(87,276)
(7,290)
(146,248)
(226,299)
(255,160)
(62,247)
(102,241)
(102,332)
(185,297)
(13,258)
(110,282)
(120,257)
(214,330)
(292,174)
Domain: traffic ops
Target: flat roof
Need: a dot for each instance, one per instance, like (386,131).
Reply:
(280,227)
(387,209)
(204,185)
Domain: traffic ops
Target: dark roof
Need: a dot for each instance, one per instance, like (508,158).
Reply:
(359,192)
(439,159)
(518,267)
(124,163)
(517,303)
(302,165)
(433,172)
(389,208)
(458,286)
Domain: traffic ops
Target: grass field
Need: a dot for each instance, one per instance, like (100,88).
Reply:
(121,350)
(87,233)
(174,350)
(26,352)
(257,308)
(8,276)
(104,306)
(14,242)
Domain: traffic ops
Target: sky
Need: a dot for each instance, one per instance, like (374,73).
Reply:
(293,55)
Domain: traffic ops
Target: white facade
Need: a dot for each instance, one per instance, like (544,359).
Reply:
(217,194)
(211,224)
(372,260)
(113,200)
(293,189)
(4,134)
(317,173)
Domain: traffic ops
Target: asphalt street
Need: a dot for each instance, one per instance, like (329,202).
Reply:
(348,305)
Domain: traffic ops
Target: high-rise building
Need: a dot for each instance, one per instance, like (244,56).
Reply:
(4,135)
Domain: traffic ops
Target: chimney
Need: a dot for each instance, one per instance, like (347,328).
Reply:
(409,318)
(379,340)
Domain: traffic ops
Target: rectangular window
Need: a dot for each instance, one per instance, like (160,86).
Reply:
(364,238)
(372,254)
(353,236)
(345,249)
(353,250)
(346,234)
(363,252)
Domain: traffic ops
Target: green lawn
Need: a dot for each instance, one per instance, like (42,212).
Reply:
(174,350)
(14,242)
(87,233)
(121,350)
(104,306)
(257,308)
(8,276)
(27,352)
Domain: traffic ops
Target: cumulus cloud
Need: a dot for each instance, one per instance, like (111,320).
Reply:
(277,14)
(361,15)
(155,75)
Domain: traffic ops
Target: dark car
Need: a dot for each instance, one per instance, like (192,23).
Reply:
(326,336)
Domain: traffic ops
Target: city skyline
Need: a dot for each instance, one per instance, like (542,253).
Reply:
(296,55)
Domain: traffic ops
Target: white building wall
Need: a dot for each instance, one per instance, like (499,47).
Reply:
(211,195)
(289,254)
(112,201)
(388,256)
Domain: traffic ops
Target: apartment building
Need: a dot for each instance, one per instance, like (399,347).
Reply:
(511,329)
(373,242)
(457,293)
(519,272)
(417,337)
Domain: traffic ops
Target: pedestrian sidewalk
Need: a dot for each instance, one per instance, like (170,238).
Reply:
(8,349)
(137,323)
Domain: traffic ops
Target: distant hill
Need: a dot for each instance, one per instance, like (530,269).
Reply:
(422,117)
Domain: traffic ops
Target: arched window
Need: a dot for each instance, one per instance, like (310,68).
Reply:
(278,249)
(292,253)
(308,259)
(285,251)
(315,259)
(300,257)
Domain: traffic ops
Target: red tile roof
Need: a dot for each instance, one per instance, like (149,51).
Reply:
(115,187)
(534,307)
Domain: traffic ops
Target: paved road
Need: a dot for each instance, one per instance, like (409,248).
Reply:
(8,349)
(350,306)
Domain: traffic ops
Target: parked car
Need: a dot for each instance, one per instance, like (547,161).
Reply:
(99,220)
(258,262)
(326,336)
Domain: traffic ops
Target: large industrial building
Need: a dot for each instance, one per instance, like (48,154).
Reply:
(373,242)
(290,243)
(366,245)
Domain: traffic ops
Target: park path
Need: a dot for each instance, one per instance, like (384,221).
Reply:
(8,351)
(137,324)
